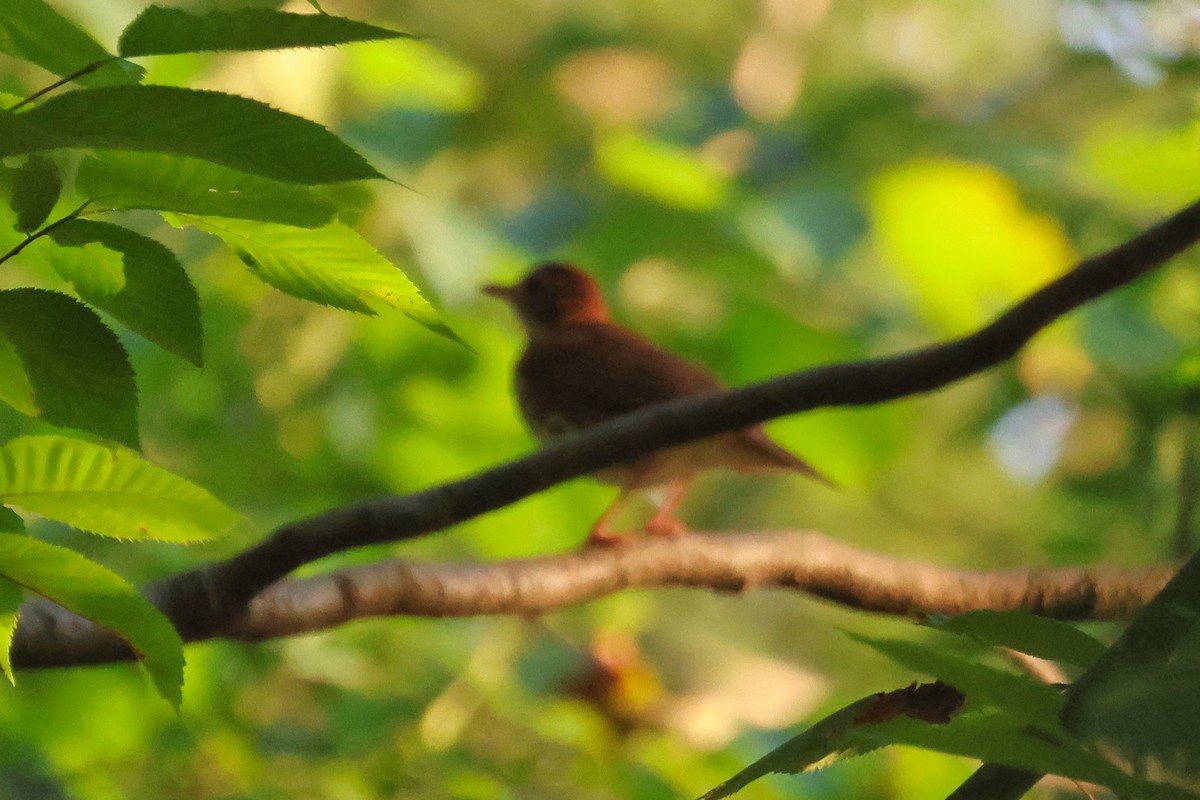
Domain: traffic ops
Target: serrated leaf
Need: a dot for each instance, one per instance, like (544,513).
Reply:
(1137,704)
(77,369)
(94,592)
(155,296)
(994,736)
(15,388)
(982,684)
(1000,737)
(192,186)
(10,603)
(36,186)
(234,131)
(100,269)
(32,30)
(111,491)
(817,746)
(332,265)
(163,31)
(1038,636)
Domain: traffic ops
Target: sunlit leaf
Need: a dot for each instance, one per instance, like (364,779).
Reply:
(156,297)
(97,268)
(111,491)
(10,601)
(94,592)
(332,265)
(230,130)
(194,186)
(160,31)
(32,30)
(77,369)
(1038,636)
(36,185)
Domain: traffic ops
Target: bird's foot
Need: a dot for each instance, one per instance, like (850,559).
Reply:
(600,537)
(667,527)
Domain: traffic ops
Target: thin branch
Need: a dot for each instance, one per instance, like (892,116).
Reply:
(797,561)
(79,73)
(45,230)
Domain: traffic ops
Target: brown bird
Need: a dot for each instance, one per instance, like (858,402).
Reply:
(581,368)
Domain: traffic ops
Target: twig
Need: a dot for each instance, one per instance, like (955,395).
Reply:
(79,73)
(33,237)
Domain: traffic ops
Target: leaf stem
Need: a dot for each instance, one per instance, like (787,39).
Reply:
(79,73)
(31,238)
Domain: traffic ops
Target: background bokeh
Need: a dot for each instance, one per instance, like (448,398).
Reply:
(761,186)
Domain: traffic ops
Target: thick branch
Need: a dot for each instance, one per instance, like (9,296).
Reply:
(205,600)
(806,562)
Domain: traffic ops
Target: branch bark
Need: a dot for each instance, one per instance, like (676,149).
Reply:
(204,601)
(728,561)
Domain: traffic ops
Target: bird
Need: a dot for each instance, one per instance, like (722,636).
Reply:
(579,368)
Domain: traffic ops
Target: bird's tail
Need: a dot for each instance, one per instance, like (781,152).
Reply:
(761,453)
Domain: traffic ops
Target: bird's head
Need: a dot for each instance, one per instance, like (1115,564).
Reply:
(553,294)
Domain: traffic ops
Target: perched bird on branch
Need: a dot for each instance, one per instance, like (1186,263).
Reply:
(580,368)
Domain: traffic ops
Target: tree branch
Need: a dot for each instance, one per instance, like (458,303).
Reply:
(204,601)
(727,561)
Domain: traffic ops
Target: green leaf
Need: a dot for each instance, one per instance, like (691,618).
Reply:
(818,746)
(994,736)
(1004,738)
(15,388)
(110,491)
(1137,704)
(982,684)
(36,185)
(10,602)
(332,265)
(77,369)
(32,30)
(156,298)
(10,521)
(192,186)
(1037,636)
(230,130)
(100,269)
(94,592)
(162,31)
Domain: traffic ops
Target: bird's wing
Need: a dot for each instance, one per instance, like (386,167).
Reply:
(587,373)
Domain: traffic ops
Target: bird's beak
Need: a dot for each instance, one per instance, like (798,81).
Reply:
(505,293)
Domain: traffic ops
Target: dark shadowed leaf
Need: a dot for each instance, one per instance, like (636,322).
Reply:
(161,31)
(36,185)
(77,369)
(156,298)
(32,30)
(1037,636)
(230,130)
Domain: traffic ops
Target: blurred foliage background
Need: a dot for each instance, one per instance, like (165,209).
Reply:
(761,186)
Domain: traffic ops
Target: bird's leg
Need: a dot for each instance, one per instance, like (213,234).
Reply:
(600,536)
(663,523)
